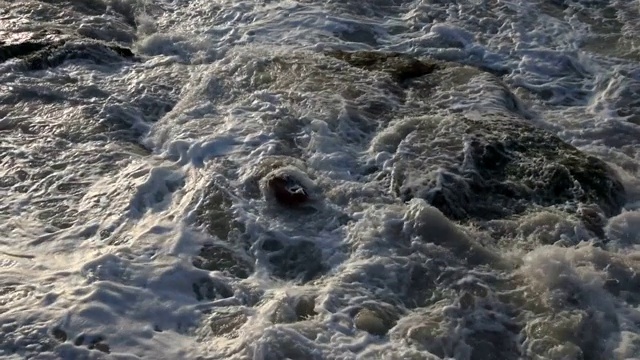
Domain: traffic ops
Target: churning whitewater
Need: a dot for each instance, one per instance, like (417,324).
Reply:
(386,179)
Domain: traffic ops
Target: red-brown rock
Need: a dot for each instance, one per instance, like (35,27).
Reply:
(288,191)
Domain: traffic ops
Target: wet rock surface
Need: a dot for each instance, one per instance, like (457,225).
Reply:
(376,320)
(473,166)
(506,161)
(214,211)
(491,166)
(103,34)
(370,322)
(43,50)
(219,258)
(305,308)
(401,67)
(227,323)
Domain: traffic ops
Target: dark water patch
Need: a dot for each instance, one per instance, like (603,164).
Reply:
(22,94)
(210,289)
(493,345)
(495,70)
(422,284)
(568,94)
(296,260)
(601,15)
(593,220)
(359,34)
(623,279)
(8,181)
(59,216)
(627,100)
(108,30)
(121,8)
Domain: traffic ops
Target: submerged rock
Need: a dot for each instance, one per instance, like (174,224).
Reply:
(290,310)
(219,258)
(301,260)
(501,166)
(225,323)
(374,321)
(370,322)
(400,66)
(486,164)
(213,211)
(305,308)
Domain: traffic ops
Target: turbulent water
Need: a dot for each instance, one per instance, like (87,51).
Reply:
(469,190)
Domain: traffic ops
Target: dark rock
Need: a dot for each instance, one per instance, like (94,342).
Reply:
(490,165)
(101,347)
(11,51)
(96,52)
(305,308)
(220,258)
(503,166)
(422,282)
(400,66)
(282,313)
(287,191)
(59,334)
(593,220)
(48,49)
(98,344)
